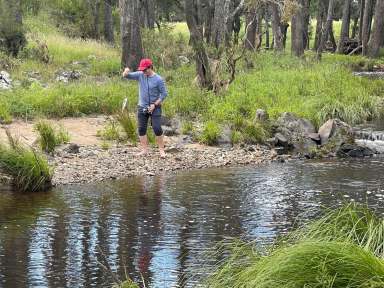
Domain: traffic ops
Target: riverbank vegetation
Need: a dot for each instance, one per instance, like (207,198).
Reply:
(28,168)
(311,89)
(342,249)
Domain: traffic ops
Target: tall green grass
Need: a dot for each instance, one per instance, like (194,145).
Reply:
(29,169)
(49,136)
(344,249)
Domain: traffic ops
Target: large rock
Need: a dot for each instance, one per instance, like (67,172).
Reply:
(337,132)
(5,80)
(295,133)
(354,151)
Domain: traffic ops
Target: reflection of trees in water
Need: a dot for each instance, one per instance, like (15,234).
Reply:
(209,215)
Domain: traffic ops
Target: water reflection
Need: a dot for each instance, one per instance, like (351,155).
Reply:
(159,229)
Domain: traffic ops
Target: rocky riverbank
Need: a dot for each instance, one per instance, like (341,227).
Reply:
(92,163)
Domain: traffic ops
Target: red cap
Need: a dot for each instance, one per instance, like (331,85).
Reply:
(144,64)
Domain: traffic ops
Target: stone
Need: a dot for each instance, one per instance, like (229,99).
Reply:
(5,80)
(67,76)
(183,60)
(354,151)
(261,115)
(72,148)
(337,130)
(168,131)
(225,136)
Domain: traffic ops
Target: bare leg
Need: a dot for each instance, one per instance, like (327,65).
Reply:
(160,143)
(144,145)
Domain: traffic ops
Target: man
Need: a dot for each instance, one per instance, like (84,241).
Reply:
(152,93)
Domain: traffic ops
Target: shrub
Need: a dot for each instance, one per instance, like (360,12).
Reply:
(49,137)
(344,249)
(128,124)
(30,170)
(187,128)
(210,134)
(5,117)
(110,131)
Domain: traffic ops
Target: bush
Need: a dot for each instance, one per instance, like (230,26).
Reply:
(30,170)
(344,249)
(129,125)
(111,131)
(210,134)
(49,137)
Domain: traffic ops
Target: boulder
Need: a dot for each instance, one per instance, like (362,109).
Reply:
(5,80)
(294,133)
(336,131)
(354,151)
(261,115)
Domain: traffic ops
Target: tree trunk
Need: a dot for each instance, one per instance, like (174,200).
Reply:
(327,28)
(377,37)
(94,7)
(147,9)
(298,30)
(132,50)
(367,19)
(354,28)
(108,22)
(266,28)
(361,17)
(320,19)
(251,29)
(284,30)
(196,39)
(276,27)
(307,19)
(219,26)
(344,34)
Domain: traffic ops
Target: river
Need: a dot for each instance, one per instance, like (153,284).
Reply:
(160,228)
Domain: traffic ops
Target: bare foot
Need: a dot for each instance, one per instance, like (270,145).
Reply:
(142,153)
(162,154)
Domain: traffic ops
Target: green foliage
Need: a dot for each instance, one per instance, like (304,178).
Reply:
(30,170)
(111,131)
(128,123)
(342,249)
(49,137)
(5,116)
(211,133)
(187,128)
(165,47)
(127,284)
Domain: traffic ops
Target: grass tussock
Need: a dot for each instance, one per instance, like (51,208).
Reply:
(344,249)
(30,170)
(49,137)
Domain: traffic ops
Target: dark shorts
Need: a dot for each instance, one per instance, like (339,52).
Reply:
(142,121)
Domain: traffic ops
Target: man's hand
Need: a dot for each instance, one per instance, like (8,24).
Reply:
(126,71)
(151,108)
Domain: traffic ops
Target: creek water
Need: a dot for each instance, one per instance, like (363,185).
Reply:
(160,228)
